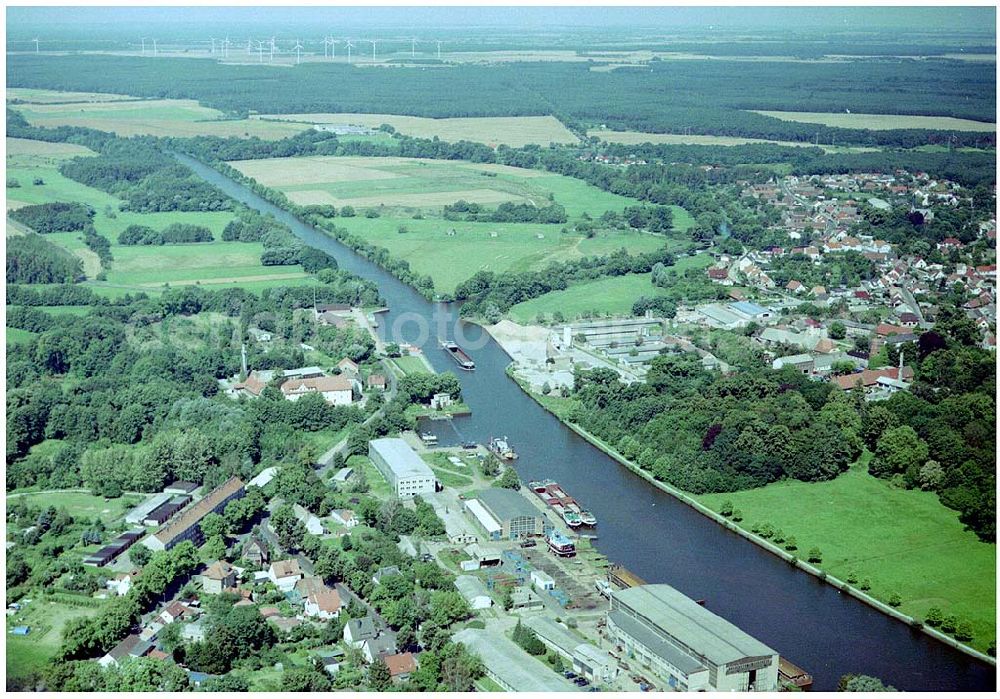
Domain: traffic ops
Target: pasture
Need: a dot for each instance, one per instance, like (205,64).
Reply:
(510,131)
(903,541)
(168,117)
(35,96)
(606,296)
(882,122)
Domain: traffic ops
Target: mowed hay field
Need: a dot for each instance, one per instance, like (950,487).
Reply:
(152,117)
(631,138)
(36,96)
(903,541)
(510,131)
(610,295)
(147,268)
(399,189)
(882,122)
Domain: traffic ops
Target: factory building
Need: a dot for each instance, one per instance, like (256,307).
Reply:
(402,467)
(687,645)
(506,514)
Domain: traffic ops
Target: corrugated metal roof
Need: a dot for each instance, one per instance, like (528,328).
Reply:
(656,643)
(707,634)
(484,517)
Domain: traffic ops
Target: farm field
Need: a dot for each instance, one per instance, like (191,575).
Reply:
(639,137)
(903,541)
(881,122)
(153,117)
(35,96)
(510,131)
(610,295)
(452,251)
(20,147)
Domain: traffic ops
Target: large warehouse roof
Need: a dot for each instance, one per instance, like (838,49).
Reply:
(404,462)
(507,504)
(513,666)
(707,634)
(656,643)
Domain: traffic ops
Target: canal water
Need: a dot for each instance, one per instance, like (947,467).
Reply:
(825,632)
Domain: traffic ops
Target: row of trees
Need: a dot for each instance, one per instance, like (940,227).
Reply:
(172,234)
(54,217)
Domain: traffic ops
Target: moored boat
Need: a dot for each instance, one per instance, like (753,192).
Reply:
(571,518)
(588,518)
(560,545)
(459,355)
(501,447)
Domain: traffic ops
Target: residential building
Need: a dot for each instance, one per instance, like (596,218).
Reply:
(255,551)
(336,390)
(323,604)
(284,574)
(382,645)
(345,517)
(309,520)
(686,644)
(401,666)
(218,577)
(131,647)
(186,526)
(403,469)
(357,631)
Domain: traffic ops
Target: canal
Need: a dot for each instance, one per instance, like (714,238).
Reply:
(814,625)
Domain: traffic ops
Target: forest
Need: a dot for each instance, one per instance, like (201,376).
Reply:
(33,260)
(705,96)
(54,217)
(704,432)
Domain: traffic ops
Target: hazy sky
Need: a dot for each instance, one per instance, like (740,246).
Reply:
(100,19)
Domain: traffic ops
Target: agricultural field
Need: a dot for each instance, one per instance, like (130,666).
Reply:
(153,117)
(218,264)
(610,295)
(903,541)
(34,96)
(408,194)
(510,131)
(638,137)
(882,122)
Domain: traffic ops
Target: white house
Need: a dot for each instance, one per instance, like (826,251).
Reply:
(336,390)
(344,517)
(285,574)
(309,520)
(323,604)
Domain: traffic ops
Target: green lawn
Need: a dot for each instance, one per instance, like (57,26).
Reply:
(411,365)
(614,295)
(31,653)
(903,541)
(79,504)
(379,487)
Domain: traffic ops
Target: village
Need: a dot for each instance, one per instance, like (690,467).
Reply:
(854,335)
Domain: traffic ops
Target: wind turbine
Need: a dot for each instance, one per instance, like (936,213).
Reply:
(349,47)
(374,41)
(273,49)
(260,51)
(36,44)
(249,46)
(298,52)
(329,43)
(143,40)
(439,49)
(213,44)
(154,48)
(413,47)
(225,47)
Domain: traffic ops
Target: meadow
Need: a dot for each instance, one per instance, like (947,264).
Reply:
(35,96)
(408,193)
(46,616)
(145,268)
(168,117)
(510,131)
(882,122)
(611,295)
(630,138)
(903,541)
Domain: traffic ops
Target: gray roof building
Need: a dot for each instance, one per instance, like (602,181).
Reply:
(509,666)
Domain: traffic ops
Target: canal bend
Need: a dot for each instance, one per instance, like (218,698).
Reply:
(648,531)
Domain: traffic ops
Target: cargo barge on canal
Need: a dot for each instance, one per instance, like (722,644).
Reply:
(552,494)
(458,354)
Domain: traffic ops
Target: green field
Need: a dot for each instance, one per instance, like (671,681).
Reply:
(218,264)
(610,295)
(168,117)
(16,335)
(903,541)
(46,617)
(78,504)
(881,122)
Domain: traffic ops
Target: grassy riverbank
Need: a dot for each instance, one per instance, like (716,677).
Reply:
(902,542)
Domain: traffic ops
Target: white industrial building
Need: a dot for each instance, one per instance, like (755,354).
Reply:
(509,666)
(687,645)
(472,589)
(402,467)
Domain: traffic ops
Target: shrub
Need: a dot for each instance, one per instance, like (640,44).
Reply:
(963,632)
(894,600)
(948,624)
(815,555)
(790,544)
(934,617)
(727,509)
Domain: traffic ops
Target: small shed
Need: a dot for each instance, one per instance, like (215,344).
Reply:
(21,630)
(542,580)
